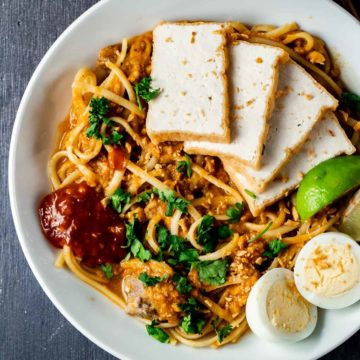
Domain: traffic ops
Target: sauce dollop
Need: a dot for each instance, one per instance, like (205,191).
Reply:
(74,216)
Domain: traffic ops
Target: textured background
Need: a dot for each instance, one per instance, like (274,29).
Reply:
(30,326)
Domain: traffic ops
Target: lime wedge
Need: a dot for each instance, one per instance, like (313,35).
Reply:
(325,183)
(350,223)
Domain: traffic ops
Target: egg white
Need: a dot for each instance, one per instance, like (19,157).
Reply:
(256,310)
(325,302)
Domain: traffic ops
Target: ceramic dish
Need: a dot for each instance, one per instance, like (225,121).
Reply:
(45,103)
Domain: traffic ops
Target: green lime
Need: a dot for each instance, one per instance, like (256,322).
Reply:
(350,223)
(325,183)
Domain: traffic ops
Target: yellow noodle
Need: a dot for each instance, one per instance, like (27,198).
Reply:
(98,91)
(121,57)
(124,80)
(309,40)
(151,233)
(60,261)
(174,225)
(213,180)
(282,30)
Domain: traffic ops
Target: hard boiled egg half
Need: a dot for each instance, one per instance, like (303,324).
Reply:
(327,271)
(276,311)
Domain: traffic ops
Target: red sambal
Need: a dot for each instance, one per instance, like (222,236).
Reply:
(74,216)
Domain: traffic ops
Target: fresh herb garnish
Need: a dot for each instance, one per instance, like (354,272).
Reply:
(137,249)
(250,193)
(184,166)
(144,91)
(192,324)
(151,280)
(176,247)
(190,306)
(144,196)
(107,270)
(114,138)
(119,199)
(182,285)
(234,213)
(223,332)
(224,232)
(172,201)
(188,255)
(162,236)
(274,248)
(261,233)
(206,235)
(351,101)
(157,333)
(98,110)
(212,272)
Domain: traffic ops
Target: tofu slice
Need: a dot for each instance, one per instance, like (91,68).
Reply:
(300,103)
(189,65)
(326,141)
(254,70)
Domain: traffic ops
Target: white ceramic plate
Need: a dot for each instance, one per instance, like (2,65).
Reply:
(45,103)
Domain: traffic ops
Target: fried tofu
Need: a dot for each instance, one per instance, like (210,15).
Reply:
(189,65)
(326,141)
(301,102)
(254,71)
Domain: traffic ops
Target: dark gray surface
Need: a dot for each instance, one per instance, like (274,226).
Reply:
(30,326)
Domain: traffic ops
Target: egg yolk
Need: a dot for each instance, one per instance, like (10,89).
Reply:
(331,270)
(287,310)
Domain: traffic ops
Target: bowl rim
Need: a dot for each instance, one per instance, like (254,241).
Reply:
(11,174)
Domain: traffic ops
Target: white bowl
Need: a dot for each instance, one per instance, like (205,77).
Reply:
(45,103)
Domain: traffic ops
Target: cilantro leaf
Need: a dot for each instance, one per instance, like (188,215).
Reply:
(250,193)
(188,256)
(192,324)
(224,232)
(98,110)
(351,101)
(172,202)
(177,244)
(157,333)
(184,166)
(151,280)
(261,233)
(93,130)
(119,199)
(130,232)
(274,248)
(162,236)
(234,213)
(212,272)
(206,234)
(137,249)
(107,270)
(204,229)
(190,306)
(114,138)
(144,91)
(223,332)
(182,285)
(144,196)
(176,247)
